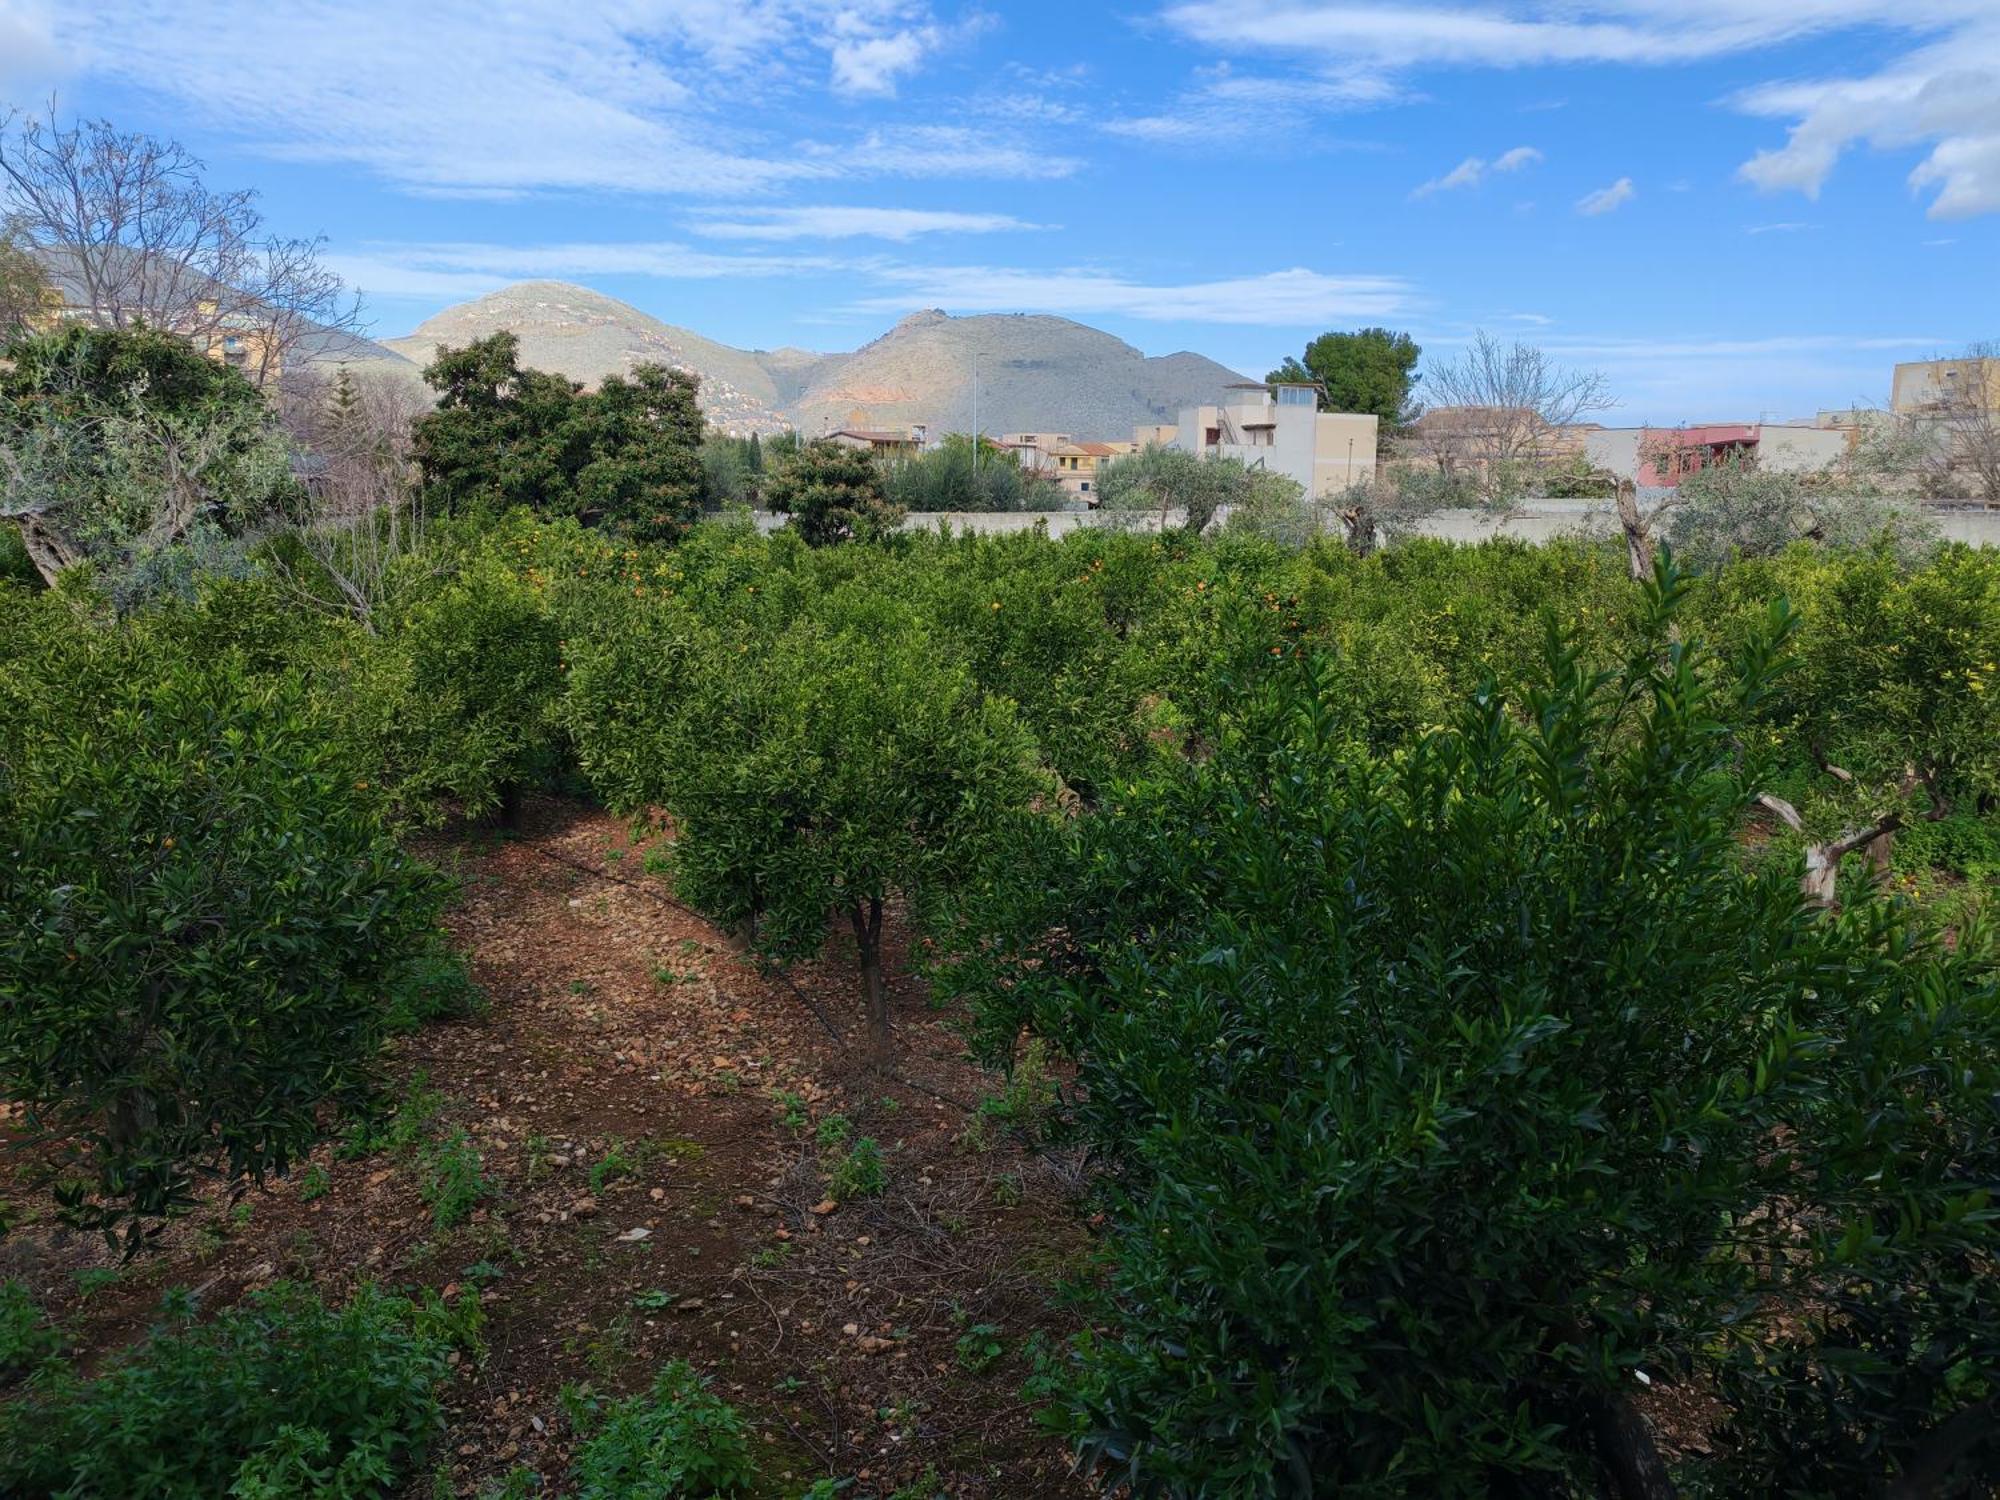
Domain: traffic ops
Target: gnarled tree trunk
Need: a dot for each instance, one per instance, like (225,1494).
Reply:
(1823,859)
(1638,539)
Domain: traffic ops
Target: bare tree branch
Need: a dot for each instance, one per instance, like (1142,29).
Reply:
(127,230)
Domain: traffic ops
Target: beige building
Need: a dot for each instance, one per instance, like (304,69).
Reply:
(1076,465)
(1280,427)
(875,440)
(1929,387)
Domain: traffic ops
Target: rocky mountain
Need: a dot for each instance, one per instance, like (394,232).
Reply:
(1035,373)
(587,336)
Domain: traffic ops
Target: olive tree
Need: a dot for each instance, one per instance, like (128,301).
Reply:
(128,450)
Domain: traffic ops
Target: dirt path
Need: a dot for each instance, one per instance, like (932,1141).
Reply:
(649,1202)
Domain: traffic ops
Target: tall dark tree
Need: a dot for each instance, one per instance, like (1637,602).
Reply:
(627,457)
(1369,370)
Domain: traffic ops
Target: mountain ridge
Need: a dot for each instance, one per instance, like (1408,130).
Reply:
(1037,372)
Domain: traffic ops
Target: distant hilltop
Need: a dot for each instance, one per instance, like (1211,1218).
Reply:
(1034,371)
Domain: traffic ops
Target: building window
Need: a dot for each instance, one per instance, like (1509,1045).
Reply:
(1085,486)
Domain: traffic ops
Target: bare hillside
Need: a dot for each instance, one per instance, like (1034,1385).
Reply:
(1035,372)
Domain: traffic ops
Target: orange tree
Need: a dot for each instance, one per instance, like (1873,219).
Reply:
(815,772)
(1450,1094)
(204,917)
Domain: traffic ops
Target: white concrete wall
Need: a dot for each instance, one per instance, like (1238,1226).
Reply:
(1799,450)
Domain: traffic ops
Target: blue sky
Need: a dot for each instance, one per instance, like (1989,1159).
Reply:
(1733,208)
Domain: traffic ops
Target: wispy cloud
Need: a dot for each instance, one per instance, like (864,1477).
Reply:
(447,97)
(1472,171)
(1285,298)
(1226,104)
(1789,226)
(1944,95)
(1605,199)
(1276,298)
(471,268)
(829,221)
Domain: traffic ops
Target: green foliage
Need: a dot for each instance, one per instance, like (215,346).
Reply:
(27,1338)
(679,1441)
(202,913)
(857,1172)
(979,1348)
(833,494)
(460,704)
(1432,1122)
(127,450)
(821,767)
(1163,481)
(957,476)
(1369,370)
(627,457)
(281,1396)
(453,1178)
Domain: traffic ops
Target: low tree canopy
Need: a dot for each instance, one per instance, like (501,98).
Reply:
(204,913)
(1431,1128)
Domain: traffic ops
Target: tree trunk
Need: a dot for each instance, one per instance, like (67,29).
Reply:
(508,814)
(1625,1444)
(46,550)
(1638,540)
(1941,1449)
(1823,859)
(1360,524)
(867,922)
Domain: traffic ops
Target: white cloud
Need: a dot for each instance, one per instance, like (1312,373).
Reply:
(1472,171)
(835,222)
(871,65)
(1605,199)
(1275,298)
(1466,174)
(469,268)
(1790,226)
(450,97)
(1226,104)
(1944,95)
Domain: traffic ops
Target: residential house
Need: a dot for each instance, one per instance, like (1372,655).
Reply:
(1076,465)
(1661,457)
(882,442)
(1280,427)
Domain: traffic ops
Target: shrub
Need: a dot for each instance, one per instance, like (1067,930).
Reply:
(202,915)
(1449,1090)
(833,494)
(281,1396)
(858,1171)
(677,1440)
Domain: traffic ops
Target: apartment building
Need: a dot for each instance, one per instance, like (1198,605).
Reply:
(1934,387)
(1280,427)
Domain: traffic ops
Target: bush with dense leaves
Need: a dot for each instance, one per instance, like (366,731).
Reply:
(815,773)
(833,494)
(1453,1093)
(280,1397)
(678,1441)
(202,910)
